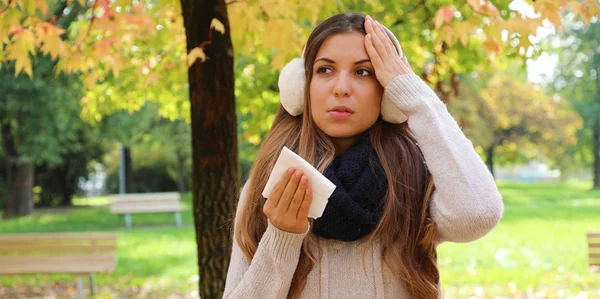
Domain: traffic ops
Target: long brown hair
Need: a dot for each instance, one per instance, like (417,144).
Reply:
(406,232)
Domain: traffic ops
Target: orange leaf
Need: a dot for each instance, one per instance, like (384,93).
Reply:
(444,14)
(587,10)
(553,16)
(489,9)
(491,46)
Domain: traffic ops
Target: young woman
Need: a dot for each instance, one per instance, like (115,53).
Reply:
(406,178)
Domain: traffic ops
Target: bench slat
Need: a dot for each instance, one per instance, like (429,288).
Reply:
(146,196)
(77,263)
(57,247)
(145,209)
(34,237)
(145,204)
(594,256)
(143,201)
(594,245)
(593,235)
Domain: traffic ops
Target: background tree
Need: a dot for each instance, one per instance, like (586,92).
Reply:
(39,119)
(512,120)
(215,186)
(577,78)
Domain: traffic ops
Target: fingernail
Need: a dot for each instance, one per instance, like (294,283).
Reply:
(291,171)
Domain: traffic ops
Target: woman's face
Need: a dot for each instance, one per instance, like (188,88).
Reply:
(345,96)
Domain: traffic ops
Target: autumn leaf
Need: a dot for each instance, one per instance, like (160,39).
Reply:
(48,36)
(444,14)
(463,29)
(475,4)
(587,10)
(22,43)
(446,35)
(553,16)
(29,6)
(549,10)
(194,54)
(217,25)
(491,46)
(489,9)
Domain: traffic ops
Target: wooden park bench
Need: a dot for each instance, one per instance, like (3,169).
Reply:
(132,203)
(45,253)
(593,239)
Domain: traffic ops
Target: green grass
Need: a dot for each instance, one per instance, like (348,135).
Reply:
(539,248)
(155,258)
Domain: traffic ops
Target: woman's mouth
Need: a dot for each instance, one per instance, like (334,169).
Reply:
(340,112)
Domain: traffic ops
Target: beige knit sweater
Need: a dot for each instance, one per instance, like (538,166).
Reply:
(465,206)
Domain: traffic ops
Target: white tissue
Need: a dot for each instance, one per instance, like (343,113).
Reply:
(321,187)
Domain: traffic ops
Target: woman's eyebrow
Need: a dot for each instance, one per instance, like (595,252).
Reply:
(331,60)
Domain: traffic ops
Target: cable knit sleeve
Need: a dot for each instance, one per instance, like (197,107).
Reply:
(466,204)
(272,268)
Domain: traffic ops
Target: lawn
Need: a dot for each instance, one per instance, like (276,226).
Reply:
(537,251)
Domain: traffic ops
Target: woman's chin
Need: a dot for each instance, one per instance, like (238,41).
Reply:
(341,134)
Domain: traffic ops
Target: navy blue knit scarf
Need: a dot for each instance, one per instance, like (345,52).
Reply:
(356,205)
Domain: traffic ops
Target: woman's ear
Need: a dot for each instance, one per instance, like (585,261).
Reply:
(292,82)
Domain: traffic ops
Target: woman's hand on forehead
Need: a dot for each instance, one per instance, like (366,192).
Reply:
(383,54)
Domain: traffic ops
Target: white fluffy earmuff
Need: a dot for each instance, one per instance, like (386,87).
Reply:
(292,81)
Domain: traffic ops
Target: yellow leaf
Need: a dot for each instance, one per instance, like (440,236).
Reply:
(463,29)
(49,35)
(194,54)
(42,5)
(29,6)
(217,25)
(22,44)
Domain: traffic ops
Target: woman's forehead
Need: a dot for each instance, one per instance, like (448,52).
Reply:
(343,46)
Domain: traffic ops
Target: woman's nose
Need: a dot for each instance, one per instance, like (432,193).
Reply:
(342,86)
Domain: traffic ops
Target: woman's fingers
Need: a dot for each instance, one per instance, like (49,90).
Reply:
(375,37)
(373,54)
(305,206)
(277,191)
(379,37)
(386,40)
(298,197)
(288,193)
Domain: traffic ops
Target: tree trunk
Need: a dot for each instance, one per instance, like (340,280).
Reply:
(19,178)
(180,171)
(489,161)
(596,151)
(20,185)
(128,169)
(215,184)
(66,186)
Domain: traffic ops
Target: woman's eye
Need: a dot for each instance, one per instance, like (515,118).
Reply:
(363,72)
(323,69)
